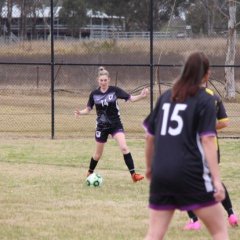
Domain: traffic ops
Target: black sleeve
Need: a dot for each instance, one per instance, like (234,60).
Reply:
(207,117)
(151,120)
(90,103)
(221,111)
(121,94)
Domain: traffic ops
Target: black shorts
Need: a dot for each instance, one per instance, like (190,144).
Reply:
(189,191)
(102,131)
(184,202)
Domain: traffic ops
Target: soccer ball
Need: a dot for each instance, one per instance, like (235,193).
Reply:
(94,180)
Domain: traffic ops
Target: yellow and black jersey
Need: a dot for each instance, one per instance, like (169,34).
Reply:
(221,113)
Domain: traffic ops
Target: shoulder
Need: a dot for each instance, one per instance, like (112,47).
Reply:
(114,88)
(111,87)
(95,91)
(204,94)
(205,99)
(166,95)
(164,98)
(216,98)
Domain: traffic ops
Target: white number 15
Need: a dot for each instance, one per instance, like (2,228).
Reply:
(174,117)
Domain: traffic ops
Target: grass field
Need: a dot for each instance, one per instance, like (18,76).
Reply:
(44,196)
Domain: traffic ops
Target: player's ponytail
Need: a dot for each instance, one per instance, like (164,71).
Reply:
(195,68)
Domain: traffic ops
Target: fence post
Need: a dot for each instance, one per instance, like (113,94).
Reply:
(151,53)
(52,73)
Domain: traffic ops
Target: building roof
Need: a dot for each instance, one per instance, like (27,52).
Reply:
(40,12)
(45,12)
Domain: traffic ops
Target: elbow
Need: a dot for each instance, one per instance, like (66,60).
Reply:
(132,99)
(221,125)
(208,140)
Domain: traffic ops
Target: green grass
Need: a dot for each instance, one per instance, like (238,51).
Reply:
(44,196)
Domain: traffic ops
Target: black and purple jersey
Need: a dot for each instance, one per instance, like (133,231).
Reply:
(179,165)
(106,104)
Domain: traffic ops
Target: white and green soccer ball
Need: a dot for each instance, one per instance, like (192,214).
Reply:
(94,180)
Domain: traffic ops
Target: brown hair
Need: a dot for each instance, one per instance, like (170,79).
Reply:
(103,72)
(195,68)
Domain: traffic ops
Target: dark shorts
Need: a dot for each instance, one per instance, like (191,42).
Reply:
(102,131)
(182,202)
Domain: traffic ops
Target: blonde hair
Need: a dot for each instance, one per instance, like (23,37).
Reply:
(103,72)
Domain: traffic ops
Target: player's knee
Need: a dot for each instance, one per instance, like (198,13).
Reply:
(97,156)
(124,149)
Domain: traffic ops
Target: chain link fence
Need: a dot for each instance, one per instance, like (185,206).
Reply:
(32,105)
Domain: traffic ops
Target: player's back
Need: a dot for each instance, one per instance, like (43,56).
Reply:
(178,130)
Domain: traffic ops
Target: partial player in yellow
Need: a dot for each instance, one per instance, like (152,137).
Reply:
(222,122)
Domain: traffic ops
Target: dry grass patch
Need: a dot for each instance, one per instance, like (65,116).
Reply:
(216,46)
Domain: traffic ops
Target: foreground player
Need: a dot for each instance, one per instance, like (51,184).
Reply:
(108,120)
(222,122)
(181,154)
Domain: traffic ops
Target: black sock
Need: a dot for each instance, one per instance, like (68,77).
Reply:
(192,215)
(92,166)
(227,204)
(129,162)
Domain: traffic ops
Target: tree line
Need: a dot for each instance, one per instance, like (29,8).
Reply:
(206,17)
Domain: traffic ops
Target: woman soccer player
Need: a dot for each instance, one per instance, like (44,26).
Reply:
(181,154)
(222,122)
(108,119)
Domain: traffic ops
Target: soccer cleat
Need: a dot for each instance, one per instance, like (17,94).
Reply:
(192,225)
(137,177)
(233,220)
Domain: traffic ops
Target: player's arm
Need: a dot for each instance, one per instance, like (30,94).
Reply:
(210,150)
(88,108)
(222,123)
(222,117)
(149,149)
(207,132)
(142,95)
(79,112)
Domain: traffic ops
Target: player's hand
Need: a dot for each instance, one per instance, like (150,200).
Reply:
(144,92)
(219,194)
(77,113)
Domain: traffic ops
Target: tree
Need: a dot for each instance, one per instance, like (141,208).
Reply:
(2,3)
(74,14)
(24,6)
(197,18)
(136,13)
(231,52)
(204,17)
(9,16)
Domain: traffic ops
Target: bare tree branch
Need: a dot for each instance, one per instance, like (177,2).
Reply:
(220,8)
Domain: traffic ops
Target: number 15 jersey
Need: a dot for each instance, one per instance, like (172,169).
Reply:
(179,164)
